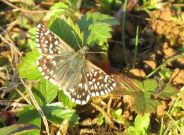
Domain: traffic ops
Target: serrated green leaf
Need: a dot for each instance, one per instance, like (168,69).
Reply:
(59,6)
(167,92)
(27,68)
(44,91)
(150,85)
(98,25)
(29,115)
(20,129)
(99,33)
(144,103)
(65,100)
(69,8)
(67,31)
(56,114)
(32,39)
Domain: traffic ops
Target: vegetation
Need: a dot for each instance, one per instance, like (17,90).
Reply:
(140,46)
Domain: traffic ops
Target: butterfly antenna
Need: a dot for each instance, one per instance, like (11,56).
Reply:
(97,52)
(76,39)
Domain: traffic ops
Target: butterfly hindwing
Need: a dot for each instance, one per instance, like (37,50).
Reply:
(93,82)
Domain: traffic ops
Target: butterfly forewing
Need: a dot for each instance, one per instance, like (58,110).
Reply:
(59,63)
(50,43)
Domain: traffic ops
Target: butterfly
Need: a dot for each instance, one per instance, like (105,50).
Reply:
(68,69)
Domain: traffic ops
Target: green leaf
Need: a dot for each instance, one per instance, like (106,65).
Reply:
(69,8)
(20,129)
(96,28)
(67,31)
(143,102)
(56,113)
(29,115)
(109,5)
(132,130)
(117,115)
(56,10)
(165,73)
(142,121)
(65,100)
(167,92)
(32,38)
(60,6)
(100,119)
(44,91)
(99,33)
(148,85)
(28,69)
(140,125)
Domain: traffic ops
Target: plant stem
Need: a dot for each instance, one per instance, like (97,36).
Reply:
(123,30)
(163,64)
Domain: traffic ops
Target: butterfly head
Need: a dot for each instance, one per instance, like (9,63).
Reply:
(82,51)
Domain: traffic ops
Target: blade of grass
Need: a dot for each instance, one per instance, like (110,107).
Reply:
(174,123)
(136,45)
(163,64)
(36,106)
(123,30)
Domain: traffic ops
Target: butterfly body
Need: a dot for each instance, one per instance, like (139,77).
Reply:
(79,78)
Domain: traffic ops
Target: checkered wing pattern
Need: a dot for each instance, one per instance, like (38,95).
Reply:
(59,63)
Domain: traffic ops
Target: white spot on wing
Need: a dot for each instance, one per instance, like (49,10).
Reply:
(46,77)
(83,102)
(93,94)
(93,80)
(73,99)
(37,40)
(102,93)
(106,91)
(114,84)
(47,32)
(56,42)
(90,83)
(106,78)
(87,98)
(97,94)
(40,68)
(78,101)
(39,26)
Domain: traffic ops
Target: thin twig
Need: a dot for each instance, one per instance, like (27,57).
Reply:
(107,118)
(14,103)
(37,106)
(24,97)
(23,10)
(63,127)
(109,106)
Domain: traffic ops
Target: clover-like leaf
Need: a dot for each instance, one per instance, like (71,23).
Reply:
(44,91)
